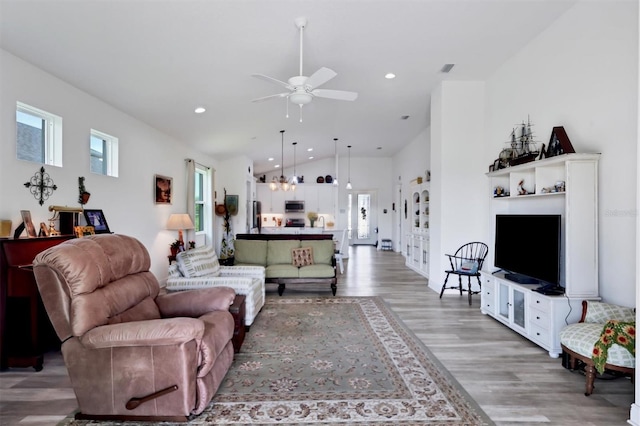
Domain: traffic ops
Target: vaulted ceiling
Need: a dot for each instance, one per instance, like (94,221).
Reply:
(159,60)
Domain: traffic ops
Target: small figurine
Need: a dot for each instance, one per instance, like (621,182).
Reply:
(521,190)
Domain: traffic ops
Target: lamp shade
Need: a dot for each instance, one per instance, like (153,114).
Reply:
(180,221)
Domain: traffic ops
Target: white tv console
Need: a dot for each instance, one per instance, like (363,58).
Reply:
(536,316)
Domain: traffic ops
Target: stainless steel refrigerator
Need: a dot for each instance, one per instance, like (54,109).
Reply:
(257,216)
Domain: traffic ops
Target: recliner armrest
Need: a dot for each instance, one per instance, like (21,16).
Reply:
(194,303)
(158,332)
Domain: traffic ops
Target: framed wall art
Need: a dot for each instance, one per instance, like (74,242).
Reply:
(163,189)
(96,219)
(559,143)
(231,203)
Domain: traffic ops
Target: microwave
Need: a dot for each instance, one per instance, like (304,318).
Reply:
(294,206)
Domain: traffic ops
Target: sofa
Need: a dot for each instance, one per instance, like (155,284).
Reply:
(200,268)
(289,258)
(603,339)
(130,351)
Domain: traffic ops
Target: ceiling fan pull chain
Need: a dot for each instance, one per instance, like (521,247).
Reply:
(287,101)
(301,113)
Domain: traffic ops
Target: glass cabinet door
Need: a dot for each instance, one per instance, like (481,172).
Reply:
(504,303)
(519,307)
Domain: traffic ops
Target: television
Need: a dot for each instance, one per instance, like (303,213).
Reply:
(527,248)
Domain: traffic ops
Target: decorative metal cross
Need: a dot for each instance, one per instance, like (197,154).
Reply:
(41,185)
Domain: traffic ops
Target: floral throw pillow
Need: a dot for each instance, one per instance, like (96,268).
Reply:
(302,256)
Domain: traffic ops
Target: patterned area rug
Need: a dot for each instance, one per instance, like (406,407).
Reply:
(336,360)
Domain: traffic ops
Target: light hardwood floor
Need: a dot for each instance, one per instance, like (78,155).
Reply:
(513,380)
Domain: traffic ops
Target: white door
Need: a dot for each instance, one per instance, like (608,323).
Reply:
(362,218)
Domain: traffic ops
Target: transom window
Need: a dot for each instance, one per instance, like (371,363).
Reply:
(38,135)
(104,153)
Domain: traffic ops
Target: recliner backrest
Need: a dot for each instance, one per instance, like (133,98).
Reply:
(94,281)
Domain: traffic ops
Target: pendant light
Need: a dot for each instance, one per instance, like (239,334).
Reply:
(281,183)
(349,181)
(335,149)
(294,178)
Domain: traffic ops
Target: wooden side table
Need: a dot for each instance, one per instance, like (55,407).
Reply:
(237,310)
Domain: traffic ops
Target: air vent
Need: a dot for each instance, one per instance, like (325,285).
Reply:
(447,68)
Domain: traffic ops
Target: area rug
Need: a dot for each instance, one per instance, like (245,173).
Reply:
(336,360)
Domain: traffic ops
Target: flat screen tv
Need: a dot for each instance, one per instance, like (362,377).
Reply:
(527,248)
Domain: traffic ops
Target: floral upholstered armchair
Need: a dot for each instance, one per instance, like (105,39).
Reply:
(604,339)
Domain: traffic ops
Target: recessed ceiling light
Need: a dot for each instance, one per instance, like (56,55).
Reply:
(390,76)
(405,117)
(311,157)
(277,166)
(309,149)
(199,110)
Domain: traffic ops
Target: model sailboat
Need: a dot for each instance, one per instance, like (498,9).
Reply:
(523,146)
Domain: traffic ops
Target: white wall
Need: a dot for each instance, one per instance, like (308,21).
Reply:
(582,73)
(410,163)
(128,200)
(459,201)
(235,176)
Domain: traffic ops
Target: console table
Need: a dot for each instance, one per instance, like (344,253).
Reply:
(25,330)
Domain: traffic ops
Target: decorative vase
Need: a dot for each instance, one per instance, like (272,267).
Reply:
(312,222)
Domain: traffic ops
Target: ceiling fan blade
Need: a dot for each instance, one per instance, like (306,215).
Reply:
(320,77)
(340,95)
(265,98)
(272,80)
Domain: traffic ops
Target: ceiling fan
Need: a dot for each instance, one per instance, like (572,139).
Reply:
(302,89)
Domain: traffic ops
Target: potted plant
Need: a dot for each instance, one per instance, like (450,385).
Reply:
(312,216)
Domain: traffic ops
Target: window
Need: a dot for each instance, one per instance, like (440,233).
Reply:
(200,199)
(38,135)
(103,150)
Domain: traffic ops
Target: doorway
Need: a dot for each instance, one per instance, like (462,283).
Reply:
(362,218)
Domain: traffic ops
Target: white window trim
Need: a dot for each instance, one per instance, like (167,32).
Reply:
(206,199)
(111,154)
(52,131)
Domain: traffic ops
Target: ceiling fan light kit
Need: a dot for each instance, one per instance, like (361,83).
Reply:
(303,89)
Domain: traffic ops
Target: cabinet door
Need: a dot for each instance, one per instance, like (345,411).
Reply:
(519,307)
(277,200)
(311,198)
(504,302)
(325,199)
(263,194)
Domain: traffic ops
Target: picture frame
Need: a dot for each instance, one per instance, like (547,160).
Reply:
(82,231)
(28,224)
(231,203)
(95,218)
(44,230)
(163,189)
(559,143)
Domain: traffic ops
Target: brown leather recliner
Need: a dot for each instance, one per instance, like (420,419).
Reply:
(130,351)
